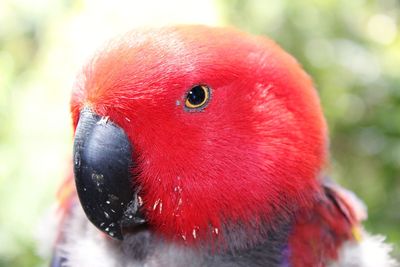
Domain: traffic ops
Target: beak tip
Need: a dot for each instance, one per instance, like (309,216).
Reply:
(116,234)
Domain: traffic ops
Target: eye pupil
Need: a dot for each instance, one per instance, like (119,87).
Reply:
(197,95)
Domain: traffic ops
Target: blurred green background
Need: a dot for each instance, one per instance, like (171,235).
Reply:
(350,48)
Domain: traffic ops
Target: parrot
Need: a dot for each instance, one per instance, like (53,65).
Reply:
(203,146)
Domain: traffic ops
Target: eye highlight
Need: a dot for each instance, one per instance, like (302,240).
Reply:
(197,97)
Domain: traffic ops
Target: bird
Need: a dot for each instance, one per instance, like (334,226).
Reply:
(203,146)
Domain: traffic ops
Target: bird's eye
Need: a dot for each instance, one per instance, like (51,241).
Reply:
(197,97)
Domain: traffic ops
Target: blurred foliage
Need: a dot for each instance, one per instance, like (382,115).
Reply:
(350,48)
(352,51)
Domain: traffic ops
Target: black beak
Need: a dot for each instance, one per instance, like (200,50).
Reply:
(103,175)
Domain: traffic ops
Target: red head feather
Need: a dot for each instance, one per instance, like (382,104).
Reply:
(252,155)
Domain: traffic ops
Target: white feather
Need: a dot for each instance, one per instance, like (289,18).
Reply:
(46,232)
(372,251)
(83,245)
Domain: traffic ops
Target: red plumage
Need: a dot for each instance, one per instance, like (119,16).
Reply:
(250,160)
(262,132)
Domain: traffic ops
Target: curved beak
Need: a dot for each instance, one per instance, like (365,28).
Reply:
(103,175)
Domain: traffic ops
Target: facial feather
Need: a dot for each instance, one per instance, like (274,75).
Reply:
(250,157)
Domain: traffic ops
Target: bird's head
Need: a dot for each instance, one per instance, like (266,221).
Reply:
(195,131)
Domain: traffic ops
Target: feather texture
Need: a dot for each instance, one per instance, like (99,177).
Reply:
(235,183)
